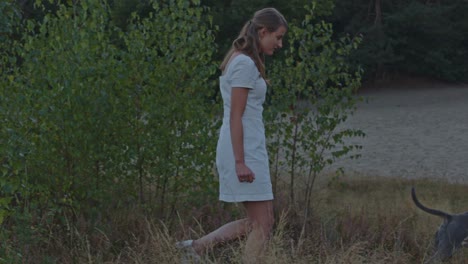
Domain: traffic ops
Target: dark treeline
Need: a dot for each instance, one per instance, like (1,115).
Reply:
(400,37)
(412,37)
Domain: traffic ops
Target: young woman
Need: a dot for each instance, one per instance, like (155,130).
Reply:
(241,156)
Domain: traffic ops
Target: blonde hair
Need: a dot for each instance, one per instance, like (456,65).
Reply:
(248,40)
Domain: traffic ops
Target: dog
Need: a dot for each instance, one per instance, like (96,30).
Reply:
(452,233)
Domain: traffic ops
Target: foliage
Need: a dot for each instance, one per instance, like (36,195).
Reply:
(8,23)
(9,17)
(419,38)
(432,43)
(95,119)
(313,94)
(397,46)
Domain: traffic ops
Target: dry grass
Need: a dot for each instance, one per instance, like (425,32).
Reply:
(359,220)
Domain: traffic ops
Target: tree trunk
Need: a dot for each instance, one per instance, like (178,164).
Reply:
(369,10)
(378,13)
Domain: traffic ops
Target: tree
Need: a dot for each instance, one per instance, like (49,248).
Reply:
(95,119)
(312,94)
(420,38)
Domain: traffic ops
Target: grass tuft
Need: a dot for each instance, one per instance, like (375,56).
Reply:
(353,220)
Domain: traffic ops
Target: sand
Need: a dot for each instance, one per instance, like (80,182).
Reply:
(414,130)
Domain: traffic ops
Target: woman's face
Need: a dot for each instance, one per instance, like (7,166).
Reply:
(271,41)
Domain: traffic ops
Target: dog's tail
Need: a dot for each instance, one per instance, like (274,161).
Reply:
(428,210)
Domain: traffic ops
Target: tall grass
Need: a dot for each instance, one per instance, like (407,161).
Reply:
(355,220)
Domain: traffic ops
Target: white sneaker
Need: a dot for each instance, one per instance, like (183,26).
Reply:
(189,253)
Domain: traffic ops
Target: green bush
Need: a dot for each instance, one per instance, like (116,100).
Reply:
(313,94)
(95,118)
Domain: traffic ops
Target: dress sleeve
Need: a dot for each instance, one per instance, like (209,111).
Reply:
(244,73)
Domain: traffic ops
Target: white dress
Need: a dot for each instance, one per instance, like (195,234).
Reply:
(242,72)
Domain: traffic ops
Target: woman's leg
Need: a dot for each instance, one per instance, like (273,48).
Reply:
(260,215)
(258,224)
(229,231)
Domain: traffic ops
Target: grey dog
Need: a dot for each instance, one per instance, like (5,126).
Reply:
(452,233)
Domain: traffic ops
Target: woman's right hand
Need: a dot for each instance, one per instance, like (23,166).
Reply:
(244,173)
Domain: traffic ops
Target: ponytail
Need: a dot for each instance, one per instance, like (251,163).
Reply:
(248,41)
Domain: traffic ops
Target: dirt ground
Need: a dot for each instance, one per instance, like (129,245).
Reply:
(414,129)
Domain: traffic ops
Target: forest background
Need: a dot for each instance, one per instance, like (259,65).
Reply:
(402,37)
(110,110)
(409,37)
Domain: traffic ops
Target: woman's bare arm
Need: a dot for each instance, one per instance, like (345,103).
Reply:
(238,103)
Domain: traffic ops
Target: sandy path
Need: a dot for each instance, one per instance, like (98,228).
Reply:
(412,132)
